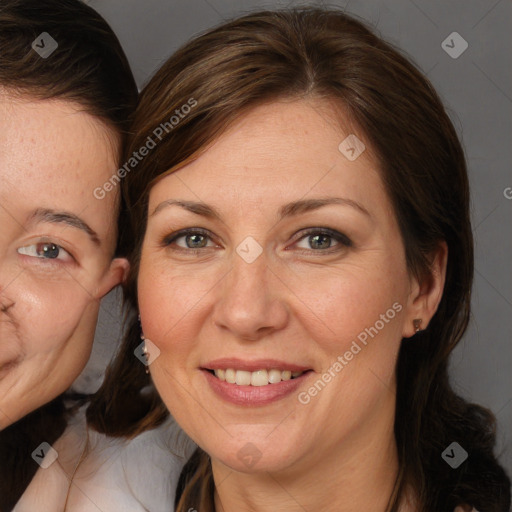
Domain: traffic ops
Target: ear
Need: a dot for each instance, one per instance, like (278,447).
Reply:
(114,275)
(426,294)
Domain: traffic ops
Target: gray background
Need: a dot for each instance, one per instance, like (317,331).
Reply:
(476,89)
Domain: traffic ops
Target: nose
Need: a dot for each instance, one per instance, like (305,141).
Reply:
(250,301)
(6,302)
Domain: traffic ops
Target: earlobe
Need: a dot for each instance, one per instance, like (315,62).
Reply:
(116,274)
(427,293)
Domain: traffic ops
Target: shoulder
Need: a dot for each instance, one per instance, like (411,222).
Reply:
(116,474)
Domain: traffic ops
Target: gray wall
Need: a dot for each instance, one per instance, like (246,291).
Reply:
(476,88)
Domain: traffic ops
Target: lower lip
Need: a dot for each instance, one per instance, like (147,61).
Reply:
(253,395)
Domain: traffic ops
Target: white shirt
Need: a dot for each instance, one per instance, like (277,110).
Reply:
(134,475)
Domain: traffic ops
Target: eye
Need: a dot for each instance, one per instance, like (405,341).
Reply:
(189,239)
(46,250)
(323,240)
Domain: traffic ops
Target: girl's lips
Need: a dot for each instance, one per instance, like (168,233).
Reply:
(253,395)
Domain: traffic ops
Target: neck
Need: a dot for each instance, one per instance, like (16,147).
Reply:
(356,474)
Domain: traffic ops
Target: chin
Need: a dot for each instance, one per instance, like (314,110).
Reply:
(253,457)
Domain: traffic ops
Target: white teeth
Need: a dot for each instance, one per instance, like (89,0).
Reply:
(243,378)
(230,376)
(274,376)
(257,378)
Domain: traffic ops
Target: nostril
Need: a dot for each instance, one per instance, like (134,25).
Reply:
(4,306)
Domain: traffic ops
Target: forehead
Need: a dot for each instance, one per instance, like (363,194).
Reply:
(278,152)
(52,155)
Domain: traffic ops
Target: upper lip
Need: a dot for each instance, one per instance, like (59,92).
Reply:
(253,366)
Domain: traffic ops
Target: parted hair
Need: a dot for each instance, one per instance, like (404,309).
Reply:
(327,54)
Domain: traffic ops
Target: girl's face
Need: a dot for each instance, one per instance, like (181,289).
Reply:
(56,245)
(274,285)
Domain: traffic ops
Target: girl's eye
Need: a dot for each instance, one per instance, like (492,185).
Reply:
(323,239)
(46,250)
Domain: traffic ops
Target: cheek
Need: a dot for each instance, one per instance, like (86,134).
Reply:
(48,314)
(172,305)
(347,304)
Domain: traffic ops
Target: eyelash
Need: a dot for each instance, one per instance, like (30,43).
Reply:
(342,239)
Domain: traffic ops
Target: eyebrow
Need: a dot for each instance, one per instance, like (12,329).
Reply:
(67,218)
(288,210)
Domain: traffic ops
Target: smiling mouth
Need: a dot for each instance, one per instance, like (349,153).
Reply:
(258,378)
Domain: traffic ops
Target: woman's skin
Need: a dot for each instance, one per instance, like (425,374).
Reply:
(302,302)
(56,246)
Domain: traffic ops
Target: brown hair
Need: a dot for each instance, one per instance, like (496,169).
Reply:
(90,69)
(296,53)
(89,66)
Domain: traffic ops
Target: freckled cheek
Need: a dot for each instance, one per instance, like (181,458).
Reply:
(48,315)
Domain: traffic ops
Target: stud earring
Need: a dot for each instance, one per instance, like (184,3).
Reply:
(417,324)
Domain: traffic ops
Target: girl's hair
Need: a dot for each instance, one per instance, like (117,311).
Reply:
(325,54)
(90,69)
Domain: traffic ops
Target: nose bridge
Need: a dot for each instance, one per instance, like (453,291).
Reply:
(9,274)
(7,284)
(248,304)
(248,282)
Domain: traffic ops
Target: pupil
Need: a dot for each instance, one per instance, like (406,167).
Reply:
(320,241)
(194,241)
(49,251)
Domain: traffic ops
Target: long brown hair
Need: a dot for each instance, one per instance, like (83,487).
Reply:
(295,53)
(90,69)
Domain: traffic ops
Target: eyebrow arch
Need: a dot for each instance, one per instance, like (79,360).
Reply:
(62,217)
(290,209)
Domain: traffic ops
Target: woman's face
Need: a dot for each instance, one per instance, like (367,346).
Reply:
(56,246)
(275,260)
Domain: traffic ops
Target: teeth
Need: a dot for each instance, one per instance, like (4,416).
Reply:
(257,378)
(274,376)
(243,378)
(230,376)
